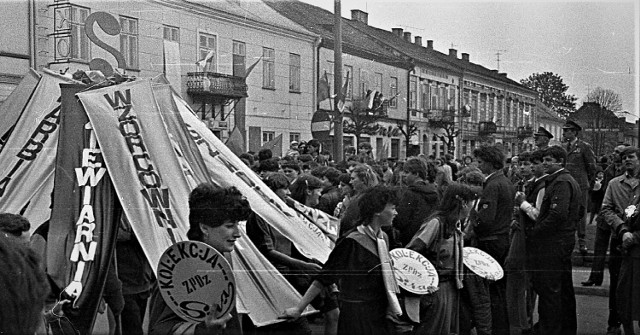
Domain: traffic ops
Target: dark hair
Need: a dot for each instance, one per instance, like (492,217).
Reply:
(629,150)
(14,224)
(276,181)
(332,174)
(349,149)
(213,206)
(303,183)
(269,165)
(451,204)
(537,156)
(305,158)
(524,156)
(417,166)
(264,154)
(291,165)
(557,152)
(490,154)
(344,178)
(318,171)
(374,200)
(24,288)
(471,176)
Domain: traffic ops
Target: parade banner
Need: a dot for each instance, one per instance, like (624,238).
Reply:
(228,170)
(330,225)
(28,158)
(256,277)
(12,107)
(85,214)
(145,170)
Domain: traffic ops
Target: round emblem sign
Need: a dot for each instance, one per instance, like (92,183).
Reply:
(481,263)
(413,271)
(321,125)
(194,279)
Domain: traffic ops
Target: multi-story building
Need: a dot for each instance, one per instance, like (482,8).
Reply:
(169,37)
(550,120)
(370,67)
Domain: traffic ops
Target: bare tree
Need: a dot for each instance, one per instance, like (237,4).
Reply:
(606,98)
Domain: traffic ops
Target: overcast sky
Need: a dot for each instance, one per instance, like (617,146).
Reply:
(587,43)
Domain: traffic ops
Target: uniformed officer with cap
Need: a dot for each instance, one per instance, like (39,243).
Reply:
(542,138)
(581,164)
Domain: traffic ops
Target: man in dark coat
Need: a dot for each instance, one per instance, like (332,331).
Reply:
(331,195)
(542,138)
(495,208)
(551,244)
(581,164)
(419,200)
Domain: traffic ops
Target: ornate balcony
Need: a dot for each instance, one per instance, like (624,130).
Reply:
(216,84)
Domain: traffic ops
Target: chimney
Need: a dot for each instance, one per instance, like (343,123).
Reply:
(453,53)
(504,74)
(418,40)
(429,44)
(397,31)
(360,16)
(465,56)
(407,36)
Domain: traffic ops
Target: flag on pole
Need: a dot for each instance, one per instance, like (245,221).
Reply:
(274,145)
(323,88)
(235,142)
(344,90)
(203,63)
(250,68)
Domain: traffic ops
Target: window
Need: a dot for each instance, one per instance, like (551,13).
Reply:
(499,111)
(492,111)
(442,97)
(268,68)
(239,58)
(294,137)
(393,85)
(425,97)
(413,92)
(129,41)
(483,107)
(267,136)
(364,83)
(474,106)
(294,73)
(207,49)
(378,82)
(79,40)
(452,98)
(171,34)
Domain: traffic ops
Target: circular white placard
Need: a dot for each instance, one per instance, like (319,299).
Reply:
(482,264)
(413,271)
(194,278)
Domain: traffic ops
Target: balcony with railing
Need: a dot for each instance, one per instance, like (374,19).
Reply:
(216,84)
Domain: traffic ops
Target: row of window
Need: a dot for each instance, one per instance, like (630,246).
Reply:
(207,49)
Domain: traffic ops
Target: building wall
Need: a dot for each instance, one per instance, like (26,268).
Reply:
(272,110)
(14,45)
(362,74)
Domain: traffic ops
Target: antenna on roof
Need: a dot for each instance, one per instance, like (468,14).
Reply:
(500,52)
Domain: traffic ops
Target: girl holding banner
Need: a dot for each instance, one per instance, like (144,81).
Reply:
(360,263)
(440,241)
(213,219)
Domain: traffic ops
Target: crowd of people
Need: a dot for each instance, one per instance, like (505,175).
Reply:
(525,212)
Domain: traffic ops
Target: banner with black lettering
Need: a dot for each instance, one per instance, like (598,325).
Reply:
(12,107)
(141,161)
(85,214)
(28,157)
(228,170)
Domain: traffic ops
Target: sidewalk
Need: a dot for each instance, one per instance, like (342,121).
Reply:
(582,268)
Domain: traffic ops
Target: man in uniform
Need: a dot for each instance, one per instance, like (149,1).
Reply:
(581,164)
(551,242)
(542,138)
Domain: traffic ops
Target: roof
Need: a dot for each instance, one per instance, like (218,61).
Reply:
(256,11)
(320,21)
(546,112)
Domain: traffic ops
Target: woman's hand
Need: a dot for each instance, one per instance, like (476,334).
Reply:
(215,321)
(292,313)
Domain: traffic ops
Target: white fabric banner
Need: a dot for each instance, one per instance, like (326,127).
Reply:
(228,170)
(27,160)
(146,173)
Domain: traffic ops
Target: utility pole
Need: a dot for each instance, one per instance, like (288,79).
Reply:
(337,82)
(500,52)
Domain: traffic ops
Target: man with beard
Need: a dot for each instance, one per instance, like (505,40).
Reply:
(551,242)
